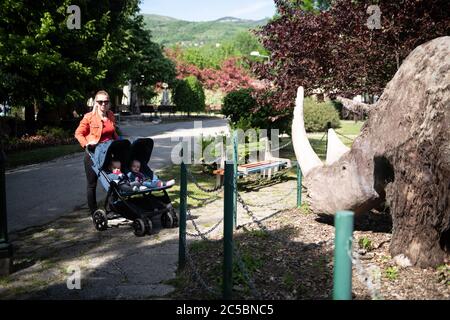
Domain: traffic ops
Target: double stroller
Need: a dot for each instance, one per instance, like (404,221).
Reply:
(138,206)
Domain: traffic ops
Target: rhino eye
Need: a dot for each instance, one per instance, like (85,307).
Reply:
(343,168)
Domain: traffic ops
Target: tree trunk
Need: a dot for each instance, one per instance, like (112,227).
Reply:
(419,196)
(30,120)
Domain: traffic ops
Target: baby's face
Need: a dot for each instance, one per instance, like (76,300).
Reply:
(135,166)
(116,164)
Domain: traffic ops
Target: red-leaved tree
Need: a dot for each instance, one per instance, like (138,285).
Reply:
(335,52)
(229,77)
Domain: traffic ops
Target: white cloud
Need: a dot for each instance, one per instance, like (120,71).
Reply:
(251,8)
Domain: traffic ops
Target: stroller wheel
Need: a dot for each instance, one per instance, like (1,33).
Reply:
(149,225)
(140,227)
(100,220)
(167,220)
(175,216)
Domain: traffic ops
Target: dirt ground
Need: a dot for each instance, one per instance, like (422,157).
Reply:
(290,256)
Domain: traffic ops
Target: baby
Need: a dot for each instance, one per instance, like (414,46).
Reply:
(117,175)
(138,179)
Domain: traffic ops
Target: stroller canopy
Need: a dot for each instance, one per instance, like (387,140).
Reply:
(105,152)
(124,151)
(141,150)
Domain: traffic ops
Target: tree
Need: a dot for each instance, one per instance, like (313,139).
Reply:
(189,95)
(239,105)
(335,52)
(51,69)
(230,76)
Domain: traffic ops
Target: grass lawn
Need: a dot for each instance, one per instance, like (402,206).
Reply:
(349,129)
(26,157)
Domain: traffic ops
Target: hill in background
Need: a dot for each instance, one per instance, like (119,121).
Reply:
(169,31)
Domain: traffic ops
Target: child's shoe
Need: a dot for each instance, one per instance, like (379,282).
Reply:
(170,183)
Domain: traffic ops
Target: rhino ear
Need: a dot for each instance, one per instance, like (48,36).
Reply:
(335,147)
(304,153)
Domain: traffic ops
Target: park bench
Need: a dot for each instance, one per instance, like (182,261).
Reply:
(166,109)
(148,109)
(265,168)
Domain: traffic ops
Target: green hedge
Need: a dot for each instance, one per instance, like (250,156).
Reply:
(318,114)
(238,105)
(189,95)
(244,113)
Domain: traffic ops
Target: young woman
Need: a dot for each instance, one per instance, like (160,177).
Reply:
(96,127)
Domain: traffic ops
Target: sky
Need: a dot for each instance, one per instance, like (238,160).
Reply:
(206,10)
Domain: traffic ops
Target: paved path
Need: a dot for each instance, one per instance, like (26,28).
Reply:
(38,194)
(115,264)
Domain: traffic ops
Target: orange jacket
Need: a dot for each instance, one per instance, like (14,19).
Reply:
(90,128)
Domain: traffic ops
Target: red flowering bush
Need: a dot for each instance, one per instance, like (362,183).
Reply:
(45,138)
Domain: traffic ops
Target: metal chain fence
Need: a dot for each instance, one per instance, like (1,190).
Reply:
(282,199)
(200,199)
(282,147)
(199,233)
(207,190)
(344,136)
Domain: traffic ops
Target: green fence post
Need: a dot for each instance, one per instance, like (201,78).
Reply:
(342,278)
(182,222)
(6,253)
(299,186)
(235,173)
(228,230)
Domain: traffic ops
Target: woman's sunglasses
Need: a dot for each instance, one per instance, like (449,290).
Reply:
(103,101)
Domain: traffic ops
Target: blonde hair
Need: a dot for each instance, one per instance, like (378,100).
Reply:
(101,92)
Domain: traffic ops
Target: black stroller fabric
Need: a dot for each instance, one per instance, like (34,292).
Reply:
(141,150)
(125,152)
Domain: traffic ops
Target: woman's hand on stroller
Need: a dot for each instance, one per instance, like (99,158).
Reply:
(90,146)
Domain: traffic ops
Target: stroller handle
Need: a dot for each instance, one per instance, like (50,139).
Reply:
(86,149)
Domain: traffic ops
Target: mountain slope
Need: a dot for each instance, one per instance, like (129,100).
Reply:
(169,31)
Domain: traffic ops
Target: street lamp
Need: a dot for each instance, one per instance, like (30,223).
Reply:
(257,54)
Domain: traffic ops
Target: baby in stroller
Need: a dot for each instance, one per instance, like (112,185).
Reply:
(118,177)
(135,180)
(138,179)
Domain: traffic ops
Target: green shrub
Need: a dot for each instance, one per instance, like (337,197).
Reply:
(189,95)
(238,105)
(318,114)
(12,126)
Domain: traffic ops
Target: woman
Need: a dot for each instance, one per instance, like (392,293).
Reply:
(96,127)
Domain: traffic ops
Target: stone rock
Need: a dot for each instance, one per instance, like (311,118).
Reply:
(402,261)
